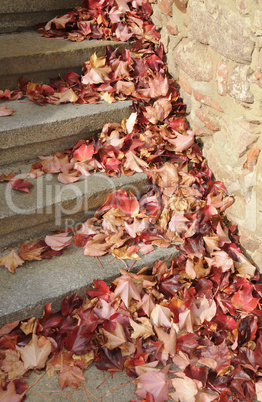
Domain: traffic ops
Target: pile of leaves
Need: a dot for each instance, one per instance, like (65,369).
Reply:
(191,331)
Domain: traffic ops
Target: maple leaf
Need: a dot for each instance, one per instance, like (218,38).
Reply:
(58,241)
(159,111)
(21,185)
(12,365)
(185,389)
(96,246)
(8,392)
(97,71)
(221,260)
(183,142)
(127,290)
(155,383)
(122,33)
(258,386)
(70,376)
(217,355)
(7,328)
(146,304)
(120,200)
(134,163)
(63,97)
(130,122)
(77,341)
(158,85)
(161,316)
(11,261)
(168,341)
(30,251)
(243,300)
(110,360)
(204,309)
(6,112)
(59,22)
(144,368)
(9,177)
(143,330)
(66,178)
(35,354)
(115,338)
(244,267)
(104,309)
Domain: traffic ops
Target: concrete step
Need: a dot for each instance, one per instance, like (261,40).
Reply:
(19,15)
(34,130)
(37,283)
(38,58)
(52,205)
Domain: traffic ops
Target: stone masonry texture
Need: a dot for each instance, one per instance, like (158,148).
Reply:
(214,51)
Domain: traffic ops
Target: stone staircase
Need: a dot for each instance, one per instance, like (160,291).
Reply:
(33,130)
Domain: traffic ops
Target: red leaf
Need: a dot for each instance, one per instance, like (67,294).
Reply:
(78,340)
(243,300)
(21,185)
(84,152)
(5,112)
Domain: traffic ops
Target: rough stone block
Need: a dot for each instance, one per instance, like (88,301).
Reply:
(207,100)
(181,5)
(223,29)
(221,77)
(172,29)
(166,6)
(238,86)
(202,131)
(194,59)
(208,120)
(239,135)
(184,84)
(242,6)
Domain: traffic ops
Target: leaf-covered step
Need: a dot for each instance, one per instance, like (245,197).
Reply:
(34,130)
(19,15)
(35,58)
(37,283)
(52,205)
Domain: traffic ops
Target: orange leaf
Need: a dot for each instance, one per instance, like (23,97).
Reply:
(11,261)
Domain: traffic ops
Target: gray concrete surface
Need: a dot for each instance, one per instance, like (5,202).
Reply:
(23,14)
(34,130)
(25,293)
(116,388)
(23,6)
(38,58)
(52,205)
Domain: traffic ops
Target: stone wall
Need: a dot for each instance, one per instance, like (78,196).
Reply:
(214,50)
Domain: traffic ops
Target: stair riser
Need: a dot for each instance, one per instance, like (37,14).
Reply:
(34,130)
(39,59)
(49,281)
(52,206)
(17,16)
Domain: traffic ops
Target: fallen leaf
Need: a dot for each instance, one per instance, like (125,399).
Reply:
(70,376)
(35,354)
(21,185)
(9,177)
(6,112)
(58,241)
(11,261)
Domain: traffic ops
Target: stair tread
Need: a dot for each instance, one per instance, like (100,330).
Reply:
(51,204)
(37,283)
(33,56)
(14,6)
(32,129)
(20,128)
